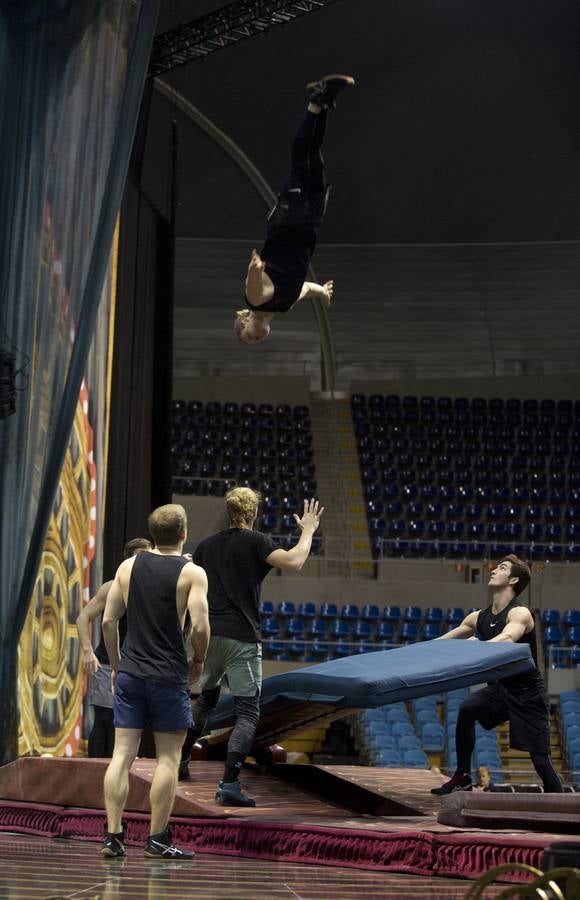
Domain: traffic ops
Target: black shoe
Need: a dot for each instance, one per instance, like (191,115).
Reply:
(229,793)
(159,846)
(456,783)
(114,844)
(325,91)
(184,771)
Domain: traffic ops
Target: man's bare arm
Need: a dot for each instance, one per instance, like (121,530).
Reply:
(256,291)
(114,610)
(198,613)
(466,630)
(519,621)
(88,614)
(292,560)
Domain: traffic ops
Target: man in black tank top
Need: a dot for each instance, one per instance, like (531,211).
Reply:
(276,278)
(152,671)
(236,561)
(519,699)
(96,663)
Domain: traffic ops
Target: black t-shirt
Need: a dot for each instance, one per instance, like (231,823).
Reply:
(154,648)
(489,625)
(234,562)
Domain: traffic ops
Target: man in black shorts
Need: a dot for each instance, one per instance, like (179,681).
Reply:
(519,699)
(151,673)
(276,277)
(96,662)
(236,562)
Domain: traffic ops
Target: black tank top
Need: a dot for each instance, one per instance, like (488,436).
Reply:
(490,625)
(101,650)
(154,648)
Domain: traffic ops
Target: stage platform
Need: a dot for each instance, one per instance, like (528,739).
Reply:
(369,818)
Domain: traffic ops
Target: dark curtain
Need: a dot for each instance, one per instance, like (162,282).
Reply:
(71,80)
(138,472)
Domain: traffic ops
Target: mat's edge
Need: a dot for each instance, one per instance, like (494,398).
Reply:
(414,853)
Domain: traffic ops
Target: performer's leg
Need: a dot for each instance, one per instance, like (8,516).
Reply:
(247,710)
(168,746)
(317,182)
(102,736)
(117,776)
(465,735)
(202,709)
(550,779)
(303,148)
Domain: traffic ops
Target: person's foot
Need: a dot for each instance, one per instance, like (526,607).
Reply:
(325,91)
(159,846)
(184,771)
(456,783)
(114,843)
(229,793)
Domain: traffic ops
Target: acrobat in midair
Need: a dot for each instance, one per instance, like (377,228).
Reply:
(276,278)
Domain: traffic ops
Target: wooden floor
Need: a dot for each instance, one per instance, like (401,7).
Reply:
(44,869)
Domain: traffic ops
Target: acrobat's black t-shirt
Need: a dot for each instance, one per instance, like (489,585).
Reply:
(235,564)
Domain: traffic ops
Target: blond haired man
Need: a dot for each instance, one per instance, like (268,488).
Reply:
(152,672)
(276,277)
(236,562)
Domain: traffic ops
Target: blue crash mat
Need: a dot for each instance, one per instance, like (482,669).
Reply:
(376,679)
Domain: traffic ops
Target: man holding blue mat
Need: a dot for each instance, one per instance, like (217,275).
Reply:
(519,699)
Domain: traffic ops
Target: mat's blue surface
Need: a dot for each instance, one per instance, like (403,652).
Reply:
(375,679)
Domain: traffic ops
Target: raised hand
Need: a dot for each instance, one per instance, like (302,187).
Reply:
(310,517)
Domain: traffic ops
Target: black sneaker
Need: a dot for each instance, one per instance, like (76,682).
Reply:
(114,844)
(325,91)
(159,846)
(456,783)
(229,793)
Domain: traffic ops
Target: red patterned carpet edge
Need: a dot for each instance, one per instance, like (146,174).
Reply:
(414,853)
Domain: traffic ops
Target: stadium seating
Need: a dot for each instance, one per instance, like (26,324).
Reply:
(443,476)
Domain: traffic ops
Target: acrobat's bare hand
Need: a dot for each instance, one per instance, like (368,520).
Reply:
(310,517)
(91,664)
(256,262)
(327,292)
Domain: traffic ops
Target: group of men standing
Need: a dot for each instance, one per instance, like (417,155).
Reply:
(161,638)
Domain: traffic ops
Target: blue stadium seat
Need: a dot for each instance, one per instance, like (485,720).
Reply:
(307,610)
(415,759)
(328,611)
(317,628)
(340,628)
(385,631)
(350,611)
(287,609)
(320,649)
(362,630)
(270,626)
(455,615)
(370,613)
(408,632)
(266,608)
(552,635)
(434,614)
(268,522)
(412,614)
(430,631)
(392,613)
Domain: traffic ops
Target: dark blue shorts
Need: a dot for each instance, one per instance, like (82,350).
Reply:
(138,703)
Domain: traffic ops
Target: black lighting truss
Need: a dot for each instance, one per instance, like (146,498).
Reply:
(228,25)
